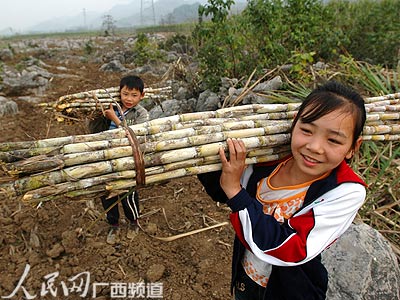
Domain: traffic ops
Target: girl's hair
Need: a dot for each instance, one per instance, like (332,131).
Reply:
(132,82)
(330,97)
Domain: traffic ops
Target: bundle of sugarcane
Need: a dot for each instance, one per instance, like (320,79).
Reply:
(87,104)
(87,165)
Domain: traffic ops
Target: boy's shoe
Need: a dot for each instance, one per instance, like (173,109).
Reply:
(112,237)
(133,230)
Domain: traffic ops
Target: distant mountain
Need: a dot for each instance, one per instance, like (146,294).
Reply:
(190,12)
(162,8)
(62,24)
(125,15)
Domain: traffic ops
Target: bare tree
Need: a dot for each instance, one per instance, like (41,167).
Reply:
(108,25)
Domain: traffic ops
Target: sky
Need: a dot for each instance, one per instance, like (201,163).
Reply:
(21,14)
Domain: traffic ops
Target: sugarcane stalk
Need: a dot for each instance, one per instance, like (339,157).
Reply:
(71,104)
(382,98)
(180,142)
(153,175)
(105,150)
(245,110)
(85,152)
(76,173)
(107,91)
(165,124)
(120,158)
(124,184)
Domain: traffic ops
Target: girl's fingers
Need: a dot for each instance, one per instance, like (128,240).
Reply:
(231,147)
(222,155)
(237,149)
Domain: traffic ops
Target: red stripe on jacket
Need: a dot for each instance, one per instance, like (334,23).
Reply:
(237,226)
(295,248)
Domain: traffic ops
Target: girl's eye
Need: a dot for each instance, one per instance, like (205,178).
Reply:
(335,141)
(305,130)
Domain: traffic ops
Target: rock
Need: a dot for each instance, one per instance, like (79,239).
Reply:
(172,107)
(34,259)
(7,107)
(31,80)
(142,69)
(266,86)
(55,251)
(151,228)
(182,93)
(113,66)
(362,265)
(70,242)
(155,272)
(208,101)
(34,240)
(6,54)
(30,99)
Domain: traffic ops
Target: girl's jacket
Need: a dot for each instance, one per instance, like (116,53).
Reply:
(294,247)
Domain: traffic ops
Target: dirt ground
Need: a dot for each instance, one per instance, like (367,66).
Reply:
(55,251)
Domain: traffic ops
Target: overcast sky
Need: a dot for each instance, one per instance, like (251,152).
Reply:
(20,14)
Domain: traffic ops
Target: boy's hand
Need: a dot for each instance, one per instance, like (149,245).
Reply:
(232,170)
(110,114)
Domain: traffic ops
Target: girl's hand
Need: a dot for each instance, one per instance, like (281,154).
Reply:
(110,114)
(232,170)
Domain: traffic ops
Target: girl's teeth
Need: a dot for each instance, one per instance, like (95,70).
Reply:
(310,159)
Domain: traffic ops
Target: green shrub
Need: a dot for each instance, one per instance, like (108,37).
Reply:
(145,51)
(267,33)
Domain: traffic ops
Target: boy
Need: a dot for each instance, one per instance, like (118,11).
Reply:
(131,92)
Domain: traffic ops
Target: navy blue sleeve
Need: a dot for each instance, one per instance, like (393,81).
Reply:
(210,181)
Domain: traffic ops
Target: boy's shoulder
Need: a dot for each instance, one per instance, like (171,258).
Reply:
(140,108)
(137,114)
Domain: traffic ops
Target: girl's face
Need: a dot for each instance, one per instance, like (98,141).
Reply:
(320,146)
(130,97)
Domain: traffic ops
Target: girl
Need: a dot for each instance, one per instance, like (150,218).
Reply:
(286,213)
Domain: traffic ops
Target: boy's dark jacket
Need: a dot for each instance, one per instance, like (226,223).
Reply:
(306,281)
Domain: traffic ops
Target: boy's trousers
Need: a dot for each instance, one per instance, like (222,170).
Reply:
(130,205)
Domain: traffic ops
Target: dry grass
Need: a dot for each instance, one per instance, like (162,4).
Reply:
(379,165)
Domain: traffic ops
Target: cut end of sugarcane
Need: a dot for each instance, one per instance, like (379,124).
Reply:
(27,198)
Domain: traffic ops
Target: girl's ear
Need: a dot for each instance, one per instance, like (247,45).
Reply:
(355,149)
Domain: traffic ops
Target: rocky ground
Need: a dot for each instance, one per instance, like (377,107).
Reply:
(53,251)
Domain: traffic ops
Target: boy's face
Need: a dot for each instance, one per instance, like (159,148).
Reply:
(130,97)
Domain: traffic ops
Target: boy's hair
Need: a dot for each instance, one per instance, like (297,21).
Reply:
(330,97)
(132,82)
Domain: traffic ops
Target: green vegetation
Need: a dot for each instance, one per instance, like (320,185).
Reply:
(277,32)
(145,50)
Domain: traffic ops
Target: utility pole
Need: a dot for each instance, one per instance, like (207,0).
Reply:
(84,19)
(154,13)
(141,12)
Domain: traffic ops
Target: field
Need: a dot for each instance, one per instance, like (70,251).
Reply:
(63,240)
(57,248)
